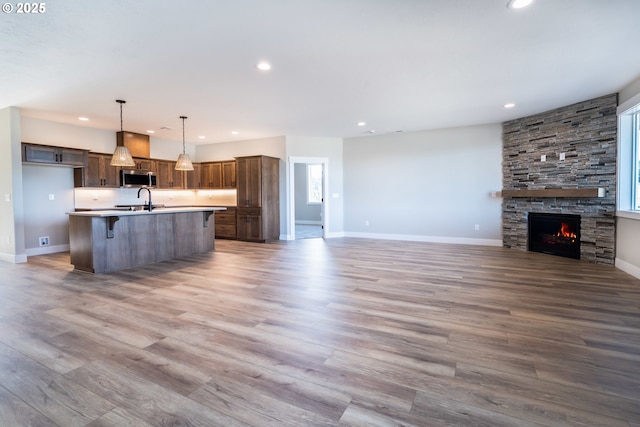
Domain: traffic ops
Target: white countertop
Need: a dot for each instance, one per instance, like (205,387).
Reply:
(155,211)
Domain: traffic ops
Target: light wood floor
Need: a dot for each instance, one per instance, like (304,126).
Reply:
(351,332)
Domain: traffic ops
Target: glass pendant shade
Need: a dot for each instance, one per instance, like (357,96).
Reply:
(184,162)
(122,157)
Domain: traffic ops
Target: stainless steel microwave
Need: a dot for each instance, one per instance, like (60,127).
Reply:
(137,178)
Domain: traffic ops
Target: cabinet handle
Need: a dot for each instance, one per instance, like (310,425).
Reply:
(60,158)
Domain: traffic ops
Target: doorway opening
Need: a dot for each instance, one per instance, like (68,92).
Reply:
(307,201)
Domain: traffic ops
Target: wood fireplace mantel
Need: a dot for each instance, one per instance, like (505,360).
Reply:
(557,192)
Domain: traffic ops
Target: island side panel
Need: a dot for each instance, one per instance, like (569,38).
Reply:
(142,235)
(81,243)
(165,237)
(119,250)
(189,234)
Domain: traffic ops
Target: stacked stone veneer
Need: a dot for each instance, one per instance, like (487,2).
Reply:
(586,132)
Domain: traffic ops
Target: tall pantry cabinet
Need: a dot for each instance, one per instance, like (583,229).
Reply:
(258,210)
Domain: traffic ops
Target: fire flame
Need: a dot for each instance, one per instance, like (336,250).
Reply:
(565,231)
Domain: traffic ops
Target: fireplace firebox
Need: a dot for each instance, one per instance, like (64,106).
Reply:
(555,234)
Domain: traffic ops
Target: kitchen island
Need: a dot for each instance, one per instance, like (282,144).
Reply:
(110,240)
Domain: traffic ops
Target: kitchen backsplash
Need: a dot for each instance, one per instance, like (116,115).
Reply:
(99,198)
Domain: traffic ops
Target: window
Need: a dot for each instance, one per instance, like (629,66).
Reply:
(314,184)
(629,155)
(636,157)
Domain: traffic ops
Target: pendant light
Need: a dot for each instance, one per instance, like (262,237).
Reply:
(184,162)
(122,156)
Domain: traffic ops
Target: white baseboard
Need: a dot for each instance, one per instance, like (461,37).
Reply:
(14,259)
(47,250)
(628,268)
(335,234)
(430,239)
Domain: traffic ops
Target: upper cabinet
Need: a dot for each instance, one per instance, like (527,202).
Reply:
(194,177)
(211,175)
(137,143)
(229,174)
(98,173)
(168,176)
(219,175)
(145,164)
(60,156)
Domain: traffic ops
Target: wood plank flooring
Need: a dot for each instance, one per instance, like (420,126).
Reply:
(313,332)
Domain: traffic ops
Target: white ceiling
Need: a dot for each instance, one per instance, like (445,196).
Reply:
(395,64)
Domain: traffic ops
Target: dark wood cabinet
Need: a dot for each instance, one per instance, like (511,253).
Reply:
(60,156)
(219,175)
(194,177)
(226,223)
(98,173)
(168,176)
(229,174)
(138,144)
(211,175)
(258,211)
(145,164)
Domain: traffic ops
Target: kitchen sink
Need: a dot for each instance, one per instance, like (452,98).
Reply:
(139,207)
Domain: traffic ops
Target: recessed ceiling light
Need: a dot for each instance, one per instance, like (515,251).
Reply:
(84,119)
(151,131)
(518,4)
(201,137)
(509,105)
(263,66)
(234,132)
(361,124)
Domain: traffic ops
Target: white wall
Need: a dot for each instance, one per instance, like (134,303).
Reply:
(628,228)
(39,131)
(429,185)
(274,147)
(11,204)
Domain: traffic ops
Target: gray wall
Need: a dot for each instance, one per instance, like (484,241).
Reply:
(429,185)
(44,217)
(305,213)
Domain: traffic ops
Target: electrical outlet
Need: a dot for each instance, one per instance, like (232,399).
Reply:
(44,241)
(543,158)
(562,156)
(366,222)
(476,227)
(52,197)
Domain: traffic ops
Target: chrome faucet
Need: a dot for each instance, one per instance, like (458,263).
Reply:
(149,190)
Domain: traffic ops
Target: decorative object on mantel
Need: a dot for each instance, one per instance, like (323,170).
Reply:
(122,156)
(557,192)
(184,162)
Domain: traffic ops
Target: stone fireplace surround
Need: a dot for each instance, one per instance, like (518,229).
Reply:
(586,133)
